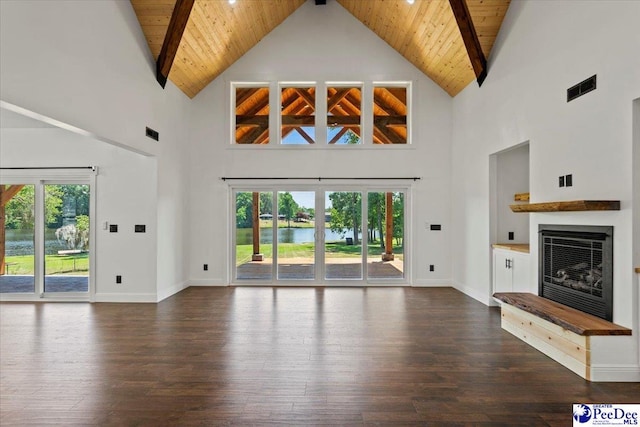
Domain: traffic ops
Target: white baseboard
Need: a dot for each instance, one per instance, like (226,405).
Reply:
(172,291)
(431,283)
(615,373)
(120,297)
(207,282)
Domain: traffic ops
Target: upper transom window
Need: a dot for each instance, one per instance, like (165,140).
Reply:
(343,115)
(289,118)
(252,114)
(389,114)
(298,106)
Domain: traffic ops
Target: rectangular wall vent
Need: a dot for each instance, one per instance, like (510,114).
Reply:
(153,134)
(581,88)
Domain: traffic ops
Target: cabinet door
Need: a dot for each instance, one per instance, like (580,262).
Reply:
(502,274)
(520,272)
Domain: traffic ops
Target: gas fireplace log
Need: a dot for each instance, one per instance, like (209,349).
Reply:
(560,280)
(579,268)
(593,277)
(577,285)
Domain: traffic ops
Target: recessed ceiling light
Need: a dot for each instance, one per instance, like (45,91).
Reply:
(232,1)
(408,1)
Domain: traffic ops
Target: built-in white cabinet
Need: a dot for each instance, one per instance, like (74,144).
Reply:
(511,270)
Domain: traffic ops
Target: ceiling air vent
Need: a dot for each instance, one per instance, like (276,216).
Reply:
(581,88)
(153,134)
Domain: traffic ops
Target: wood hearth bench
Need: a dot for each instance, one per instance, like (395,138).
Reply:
(556,330)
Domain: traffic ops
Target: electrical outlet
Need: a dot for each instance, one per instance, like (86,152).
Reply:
(561,181)
(118,279)
(568,180)
(113,228)
(432,267)
(511,235)
(206,267)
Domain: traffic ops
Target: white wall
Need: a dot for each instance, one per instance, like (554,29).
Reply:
(87,66)
(524,98)
(173,199)
(636,183)
(319,44)
(59,57)
(125,196)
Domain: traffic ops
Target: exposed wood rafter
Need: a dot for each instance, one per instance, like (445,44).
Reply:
(426,33)
(172,39)
(470,38)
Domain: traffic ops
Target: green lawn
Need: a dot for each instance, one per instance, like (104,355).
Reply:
(54,264)
(305,250)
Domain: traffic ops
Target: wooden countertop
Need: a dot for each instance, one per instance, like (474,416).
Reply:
(566,317)
(518,247)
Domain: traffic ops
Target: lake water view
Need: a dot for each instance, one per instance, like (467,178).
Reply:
(244,236)
(20,242)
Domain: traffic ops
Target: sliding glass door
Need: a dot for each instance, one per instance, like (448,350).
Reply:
(319,235)
(385,232)
(343,235)
(17,241)
(296,232)
(45,240)
(66,230)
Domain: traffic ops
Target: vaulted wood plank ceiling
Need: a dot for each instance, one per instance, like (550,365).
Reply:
(425,33)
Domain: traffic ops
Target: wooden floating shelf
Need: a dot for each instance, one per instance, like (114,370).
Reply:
(569,206)
(521,197)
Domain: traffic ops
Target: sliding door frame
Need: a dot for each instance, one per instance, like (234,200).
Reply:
(39,178)
(364,187)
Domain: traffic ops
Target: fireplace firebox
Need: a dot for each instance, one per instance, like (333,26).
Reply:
(576,267)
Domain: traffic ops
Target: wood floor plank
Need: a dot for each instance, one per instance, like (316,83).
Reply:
(282,356)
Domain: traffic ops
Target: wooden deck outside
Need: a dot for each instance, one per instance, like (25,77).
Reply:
(336,268)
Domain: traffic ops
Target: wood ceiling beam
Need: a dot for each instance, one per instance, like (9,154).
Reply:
(335,99)
(244,95)
(172,39)
(390,135)
(470,38)
(379,102)
(309,98)
(305,135)
(382,137)
(339,135)
(254,136)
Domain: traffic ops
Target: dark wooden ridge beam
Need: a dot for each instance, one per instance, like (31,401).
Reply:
(177,25)
(470,38)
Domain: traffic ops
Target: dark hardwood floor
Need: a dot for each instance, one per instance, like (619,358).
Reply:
(282,356)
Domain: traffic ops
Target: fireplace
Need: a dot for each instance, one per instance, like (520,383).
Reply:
(576,267)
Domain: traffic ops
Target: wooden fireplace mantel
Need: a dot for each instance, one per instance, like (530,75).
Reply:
(568,206)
